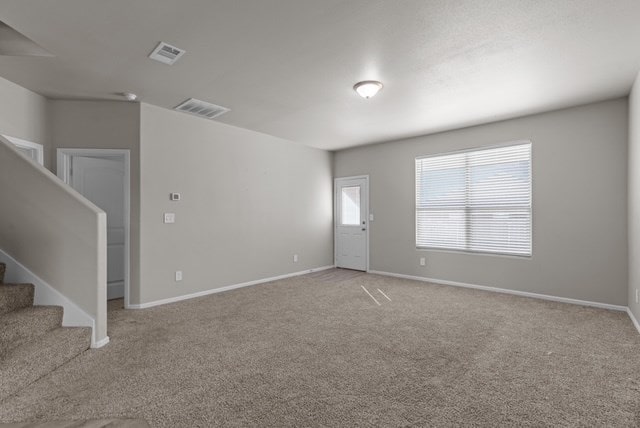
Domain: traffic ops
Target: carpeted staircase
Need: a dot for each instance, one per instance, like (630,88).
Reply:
(32,339)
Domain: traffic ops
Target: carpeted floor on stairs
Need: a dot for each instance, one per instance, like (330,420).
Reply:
(308,351)
(33,342)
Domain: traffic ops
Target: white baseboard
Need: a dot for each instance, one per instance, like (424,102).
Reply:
(115,290)
(633,319)
(506,291)
(100,343)
(45,294)
(226,288)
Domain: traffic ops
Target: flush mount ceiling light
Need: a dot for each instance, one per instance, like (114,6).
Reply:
(367,88)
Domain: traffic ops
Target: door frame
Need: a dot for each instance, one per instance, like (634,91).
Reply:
(64,156)
(35,148)
(335,215)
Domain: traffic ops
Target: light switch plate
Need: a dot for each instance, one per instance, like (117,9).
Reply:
(169,217)
(370,217)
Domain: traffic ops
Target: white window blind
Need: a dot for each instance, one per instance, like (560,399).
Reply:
(476,200)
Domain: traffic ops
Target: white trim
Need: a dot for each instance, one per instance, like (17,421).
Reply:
(226,288)
(100,330)
(505,291)
(45,294)
(335,214)
(100,343)
(24,144)
(63,165)
(633,319)
(115,289)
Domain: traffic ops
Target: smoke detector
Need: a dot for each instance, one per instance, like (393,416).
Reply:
(166,54)
(201,108)
(129,96)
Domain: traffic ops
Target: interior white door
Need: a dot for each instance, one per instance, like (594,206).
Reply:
(101,180)
(352,218)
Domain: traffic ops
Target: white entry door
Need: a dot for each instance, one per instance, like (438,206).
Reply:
(102,181)
(352,223)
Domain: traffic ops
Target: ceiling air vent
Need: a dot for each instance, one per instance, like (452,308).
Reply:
(201,108)
(166,54)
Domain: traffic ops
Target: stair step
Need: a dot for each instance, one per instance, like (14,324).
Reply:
(23,325)
(15,296)
(25,364)
(3,268)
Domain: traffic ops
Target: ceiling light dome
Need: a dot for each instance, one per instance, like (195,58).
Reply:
(367,88)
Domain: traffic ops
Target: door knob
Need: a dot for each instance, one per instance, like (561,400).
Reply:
(363,229)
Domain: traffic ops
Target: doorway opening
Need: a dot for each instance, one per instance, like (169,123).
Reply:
(351,240)
(103,177)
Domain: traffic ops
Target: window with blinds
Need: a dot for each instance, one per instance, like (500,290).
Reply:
(477,200)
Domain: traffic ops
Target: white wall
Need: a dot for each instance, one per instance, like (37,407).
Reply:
(579,204)
(23,114)
(634,197)
(103,125)
(249,202)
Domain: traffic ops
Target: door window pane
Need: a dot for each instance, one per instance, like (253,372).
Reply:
(350,205)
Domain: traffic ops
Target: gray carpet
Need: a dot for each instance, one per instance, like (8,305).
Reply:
(102,423)
(33,342)
(309,352)
(335,275)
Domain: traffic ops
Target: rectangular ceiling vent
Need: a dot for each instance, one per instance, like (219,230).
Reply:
(201,108)
(166,54)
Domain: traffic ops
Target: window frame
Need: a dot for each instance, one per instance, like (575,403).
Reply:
(467,250)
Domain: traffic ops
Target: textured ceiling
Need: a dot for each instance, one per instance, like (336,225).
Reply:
(287,67)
